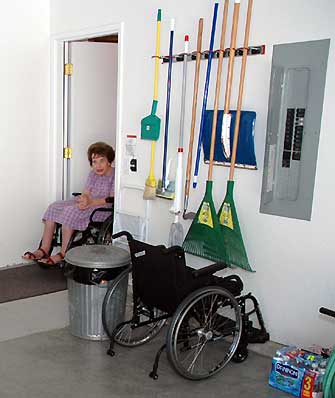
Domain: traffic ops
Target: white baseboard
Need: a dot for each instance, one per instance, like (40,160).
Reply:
(32,315)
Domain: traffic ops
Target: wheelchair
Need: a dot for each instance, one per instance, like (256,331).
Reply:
(207,317)
(97,232)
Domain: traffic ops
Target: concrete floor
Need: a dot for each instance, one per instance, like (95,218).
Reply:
(56,364)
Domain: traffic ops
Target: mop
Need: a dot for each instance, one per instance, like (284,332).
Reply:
(176,235)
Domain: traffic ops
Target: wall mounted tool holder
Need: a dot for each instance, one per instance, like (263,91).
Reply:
(252,50)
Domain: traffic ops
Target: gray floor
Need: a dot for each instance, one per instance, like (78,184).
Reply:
(56,364)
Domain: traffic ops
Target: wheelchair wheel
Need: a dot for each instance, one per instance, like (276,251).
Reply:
(105,235)
(204,333)
(132,333)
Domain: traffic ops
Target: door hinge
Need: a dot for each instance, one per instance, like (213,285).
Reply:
(67,153)
(68,69)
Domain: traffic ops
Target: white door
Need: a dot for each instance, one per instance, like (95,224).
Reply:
(92,105)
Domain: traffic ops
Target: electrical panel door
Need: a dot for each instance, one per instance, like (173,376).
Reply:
(294,116)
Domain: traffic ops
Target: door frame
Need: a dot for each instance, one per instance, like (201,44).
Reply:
(56,103)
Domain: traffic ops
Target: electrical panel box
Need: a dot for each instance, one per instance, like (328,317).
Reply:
(293,128)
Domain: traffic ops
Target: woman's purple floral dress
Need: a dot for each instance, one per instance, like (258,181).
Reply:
(67,213)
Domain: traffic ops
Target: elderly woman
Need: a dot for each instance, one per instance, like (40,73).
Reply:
(74,214)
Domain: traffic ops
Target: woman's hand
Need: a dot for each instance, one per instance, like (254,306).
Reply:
(84,201)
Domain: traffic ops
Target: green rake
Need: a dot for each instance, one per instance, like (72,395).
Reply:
(235,251)
(204,238)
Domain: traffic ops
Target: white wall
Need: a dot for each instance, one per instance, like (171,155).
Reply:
(294,259)
(24,124)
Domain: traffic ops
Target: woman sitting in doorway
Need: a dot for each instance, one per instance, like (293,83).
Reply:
(74,214)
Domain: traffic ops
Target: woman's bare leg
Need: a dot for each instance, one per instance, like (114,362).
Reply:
(43,250)
(58,257)
(66,236)
(49,229)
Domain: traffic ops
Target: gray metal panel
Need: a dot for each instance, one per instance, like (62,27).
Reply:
(297,85)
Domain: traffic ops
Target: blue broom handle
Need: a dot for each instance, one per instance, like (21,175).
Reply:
(204,103)
(167,110)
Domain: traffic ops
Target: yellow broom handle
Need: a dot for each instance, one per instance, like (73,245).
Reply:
(240,91)
(217,89)
(152,161)
(158,35)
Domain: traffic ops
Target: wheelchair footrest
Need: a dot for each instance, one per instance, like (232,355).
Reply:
(257,335)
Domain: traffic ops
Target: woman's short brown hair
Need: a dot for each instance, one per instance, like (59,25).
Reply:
(101,148)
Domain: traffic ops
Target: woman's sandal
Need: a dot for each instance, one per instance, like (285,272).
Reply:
(50,263)
(32,256)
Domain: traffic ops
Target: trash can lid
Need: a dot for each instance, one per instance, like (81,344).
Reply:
(98,256)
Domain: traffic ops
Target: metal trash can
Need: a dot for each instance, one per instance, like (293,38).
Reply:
(90,270)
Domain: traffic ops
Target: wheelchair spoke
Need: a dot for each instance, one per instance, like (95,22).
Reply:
(204,333)
(211,313)
(143,325)
(198,352)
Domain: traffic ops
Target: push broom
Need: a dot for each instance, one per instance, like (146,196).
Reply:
(191,215)
(204,237)
(235,251)
(176,235)
(150,125)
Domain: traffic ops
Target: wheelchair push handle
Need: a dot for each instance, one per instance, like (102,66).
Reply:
(123,233)
(327,311)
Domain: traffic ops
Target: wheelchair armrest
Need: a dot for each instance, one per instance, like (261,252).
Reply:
(123,233)
(209,270)
(173,249)
(327,311)
(103,209)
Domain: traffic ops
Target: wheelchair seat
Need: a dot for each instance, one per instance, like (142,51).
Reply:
(209,322)
(97,232)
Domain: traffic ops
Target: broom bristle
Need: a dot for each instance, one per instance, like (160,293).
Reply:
(149,192)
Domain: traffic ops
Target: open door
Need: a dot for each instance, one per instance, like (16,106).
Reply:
(90,105)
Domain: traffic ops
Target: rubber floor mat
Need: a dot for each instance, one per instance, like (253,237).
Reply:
(29,281)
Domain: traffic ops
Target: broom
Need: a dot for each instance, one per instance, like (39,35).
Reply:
(150,125)
(191,215)
(233,241)
(176,235)
(204,237)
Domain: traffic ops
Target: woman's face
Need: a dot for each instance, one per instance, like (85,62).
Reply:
(100,164)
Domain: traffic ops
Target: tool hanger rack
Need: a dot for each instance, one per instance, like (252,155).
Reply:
(252,50)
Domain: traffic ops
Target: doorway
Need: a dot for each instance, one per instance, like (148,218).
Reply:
(85,104)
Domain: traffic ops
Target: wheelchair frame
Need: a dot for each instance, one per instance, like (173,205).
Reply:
(210,324)
(97,232)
